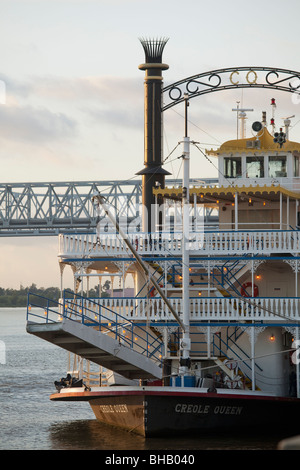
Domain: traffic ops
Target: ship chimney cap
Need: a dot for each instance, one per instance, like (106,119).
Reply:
(153,49)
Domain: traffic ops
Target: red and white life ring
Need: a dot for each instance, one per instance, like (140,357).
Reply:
(246,286)
(153,291)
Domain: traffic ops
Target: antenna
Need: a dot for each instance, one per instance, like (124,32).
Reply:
(273,104)
(287,123)
(241,114)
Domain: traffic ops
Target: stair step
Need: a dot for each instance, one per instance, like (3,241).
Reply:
(97,347)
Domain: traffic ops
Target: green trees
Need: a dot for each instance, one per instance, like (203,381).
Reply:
(18,298)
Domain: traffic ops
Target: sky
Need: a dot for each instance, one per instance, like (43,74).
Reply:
(74,96)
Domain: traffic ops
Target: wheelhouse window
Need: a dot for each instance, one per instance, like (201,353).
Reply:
(232,167)
(255,167)
(296,165)
(277,166)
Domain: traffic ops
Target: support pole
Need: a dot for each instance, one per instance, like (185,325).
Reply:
(236,225)
(186,342)
(252,357)
(297,364)
(280,210)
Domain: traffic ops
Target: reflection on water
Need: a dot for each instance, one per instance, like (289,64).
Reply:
(90,434)
(93,435)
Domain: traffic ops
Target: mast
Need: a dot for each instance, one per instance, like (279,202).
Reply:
(186,341)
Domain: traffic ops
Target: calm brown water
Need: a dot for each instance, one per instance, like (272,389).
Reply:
(30,421)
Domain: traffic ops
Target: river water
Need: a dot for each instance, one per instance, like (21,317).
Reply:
(30,421)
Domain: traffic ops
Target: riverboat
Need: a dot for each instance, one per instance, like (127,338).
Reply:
(208,341)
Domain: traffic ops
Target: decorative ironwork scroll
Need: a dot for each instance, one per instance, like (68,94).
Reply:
(230,78)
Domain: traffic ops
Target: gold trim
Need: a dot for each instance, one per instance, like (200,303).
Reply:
(230,190)
(255,77)
(153,77)
(234,83)
(153,66)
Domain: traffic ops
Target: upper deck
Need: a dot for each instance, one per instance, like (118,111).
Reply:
(203,244)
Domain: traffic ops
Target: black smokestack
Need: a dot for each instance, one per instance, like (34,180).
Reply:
(152,174)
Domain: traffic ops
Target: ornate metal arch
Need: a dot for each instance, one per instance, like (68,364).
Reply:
(230,78)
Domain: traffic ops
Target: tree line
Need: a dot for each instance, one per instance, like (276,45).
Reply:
(18,297)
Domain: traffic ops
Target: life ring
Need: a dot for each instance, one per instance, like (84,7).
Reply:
(247,285)
(153,291)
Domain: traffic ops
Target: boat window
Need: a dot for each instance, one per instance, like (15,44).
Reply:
(255,167)
(277,166)
(232,167)
(296,166)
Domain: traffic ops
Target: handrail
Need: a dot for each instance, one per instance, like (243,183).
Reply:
(51,314)
(168,243)
(101,317)
(204,308)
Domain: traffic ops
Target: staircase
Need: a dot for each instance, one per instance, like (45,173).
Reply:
(117,347)
(236,378)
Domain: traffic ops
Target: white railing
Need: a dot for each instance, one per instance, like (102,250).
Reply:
(290,183)
(201,309)
(209,243)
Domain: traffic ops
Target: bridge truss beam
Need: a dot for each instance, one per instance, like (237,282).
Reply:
(30,209)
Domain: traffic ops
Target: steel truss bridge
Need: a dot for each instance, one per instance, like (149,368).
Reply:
(36,209)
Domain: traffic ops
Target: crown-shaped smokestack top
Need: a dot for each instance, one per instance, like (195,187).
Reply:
(153,49)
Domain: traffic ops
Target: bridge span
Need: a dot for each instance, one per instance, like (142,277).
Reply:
(49,208)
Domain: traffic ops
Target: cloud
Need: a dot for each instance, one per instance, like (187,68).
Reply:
(42,104)
(103,88)
(26,123)
(125,118)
